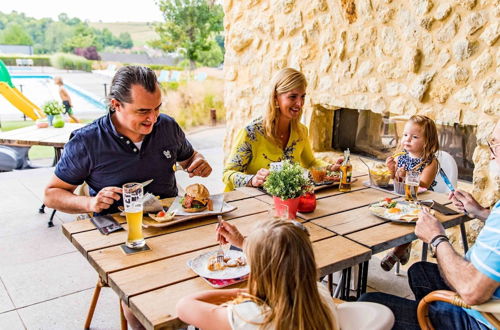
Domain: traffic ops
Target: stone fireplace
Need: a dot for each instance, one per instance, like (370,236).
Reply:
(438,58)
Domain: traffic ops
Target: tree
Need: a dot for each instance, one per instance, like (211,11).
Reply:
(125,40)
(15,34)
(189,27)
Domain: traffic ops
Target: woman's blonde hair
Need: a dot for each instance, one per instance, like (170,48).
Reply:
(431,141)
(283,81)
(284,277)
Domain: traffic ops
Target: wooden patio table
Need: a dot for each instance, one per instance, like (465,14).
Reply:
(152,282)
(34,136)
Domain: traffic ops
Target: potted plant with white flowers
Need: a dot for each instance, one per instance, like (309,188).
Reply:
(286,185)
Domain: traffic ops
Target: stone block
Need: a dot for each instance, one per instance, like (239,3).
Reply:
(443,57)
(294,24)
(442,11)
(491,33)
(385,14)
(463,49)
(412,59)
(349,10)
(491,107)
(395,89)
(426,23)
(481,64)
(285,6)
(489,87)
(448,31)
(390,70)
(422,7)
(240,39)
(379,105)
(466,96)
(468,4)
(373,85)
(326,61)
(449,115)
(420,85)
(456,74)
(365,68)
(440,92)
(474,22)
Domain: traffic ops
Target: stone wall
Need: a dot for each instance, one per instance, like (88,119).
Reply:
(438,58)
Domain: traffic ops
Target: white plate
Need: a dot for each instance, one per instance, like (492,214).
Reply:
(408,211)
(217,200)
(200,263)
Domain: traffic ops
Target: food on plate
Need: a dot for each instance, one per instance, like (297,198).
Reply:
(380,175)
(196,199)
(332,176)
(213,265)
(394,210)
(162,216)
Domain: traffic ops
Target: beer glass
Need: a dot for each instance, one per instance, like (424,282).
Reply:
(132,203)
(278,213)
(412,182)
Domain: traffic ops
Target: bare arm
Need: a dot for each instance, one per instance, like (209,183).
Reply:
(59,195)
(429,174)
(203,309)
(196,165)
(473,286)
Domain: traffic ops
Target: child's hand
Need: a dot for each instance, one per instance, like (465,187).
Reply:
(391,164)
(400,174)
(228,233)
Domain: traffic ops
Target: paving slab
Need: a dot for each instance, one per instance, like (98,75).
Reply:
(11,321)
(70,311)
(5,301)
(388,282)
(33,245)
(16,197)
(34,282)
(19,223)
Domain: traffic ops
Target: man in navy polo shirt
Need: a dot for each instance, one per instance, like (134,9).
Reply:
(132,143)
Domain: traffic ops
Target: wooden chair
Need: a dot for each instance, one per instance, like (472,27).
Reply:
(490,310)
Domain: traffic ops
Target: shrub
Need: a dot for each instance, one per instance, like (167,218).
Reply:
(71,62)
(37,60)
(90,53)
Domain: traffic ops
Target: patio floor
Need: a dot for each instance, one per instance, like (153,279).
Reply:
(46,284)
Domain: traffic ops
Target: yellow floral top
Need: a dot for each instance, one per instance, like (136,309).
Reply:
(253,151)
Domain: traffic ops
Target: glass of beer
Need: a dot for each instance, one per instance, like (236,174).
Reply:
(412,182)
(132,203)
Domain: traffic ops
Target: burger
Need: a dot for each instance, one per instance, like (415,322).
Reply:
(196,199)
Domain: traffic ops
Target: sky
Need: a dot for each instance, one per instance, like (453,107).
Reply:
(92,10)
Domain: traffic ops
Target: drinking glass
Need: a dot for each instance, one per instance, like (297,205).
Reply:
(132,203)
(412,182)
(278,213)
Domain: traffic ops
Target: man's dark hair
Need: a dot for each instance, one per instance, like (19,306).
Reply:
(127,76)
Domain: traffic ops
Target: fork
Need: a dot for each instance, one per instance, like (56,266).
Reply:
(220,251)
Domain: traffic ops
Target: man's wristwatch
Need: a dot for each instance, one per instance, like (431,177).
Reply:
(435,242)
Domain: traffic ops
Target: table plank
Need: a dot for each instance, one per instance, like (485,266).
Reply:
(350,221)
(391,234)
(89,241)
(344,202)
(156,309)
(160,273)
(32,135)
(112,259)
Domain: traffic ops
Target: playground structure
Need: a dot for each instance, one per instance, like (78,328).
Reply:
(15,97)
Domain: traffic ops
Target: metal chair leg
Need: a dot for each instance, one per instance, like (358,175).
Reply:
(41,209)
(425,248)
(93,303)
(464,237)
(51,223)
(330,284)
(123,320)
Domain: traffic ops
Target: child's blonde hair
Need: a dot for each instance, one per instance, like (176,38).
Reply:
(431,141)
(284,277)
(283,81)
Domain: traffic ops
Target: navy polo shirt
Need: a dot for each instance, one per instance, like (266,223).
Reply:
(100,156)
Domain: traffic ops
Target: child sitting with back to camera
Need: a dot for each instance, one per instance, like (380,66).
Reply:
(283,291)
(419,146)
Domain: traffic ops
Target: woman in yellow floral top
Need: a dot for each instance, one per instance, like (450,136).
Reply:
(277,136)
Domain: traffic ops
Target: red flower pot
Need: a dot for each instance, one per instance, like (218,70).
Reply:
(291,203)
(307,202)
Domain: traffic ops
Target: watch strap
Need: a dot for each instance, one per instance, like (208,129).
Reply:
(436,243)
(436,237)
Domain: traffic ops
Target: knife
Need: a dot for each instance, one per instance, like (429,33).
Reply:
(446,180)
(145,183)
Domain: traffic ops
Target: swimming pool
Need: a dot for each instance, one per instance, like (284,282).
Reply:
(41,88)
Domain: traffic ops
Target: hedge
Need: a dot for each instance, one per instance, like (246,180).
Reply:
(37,60)
(70,62)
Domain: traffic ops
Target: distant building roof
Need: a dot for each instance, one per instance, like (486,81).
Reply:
(139,58)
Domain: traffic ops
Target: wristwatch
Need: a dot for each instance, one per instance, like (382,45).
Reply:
(435,242)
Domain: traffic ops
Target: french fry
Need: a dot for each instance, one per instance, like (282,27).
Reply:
(398,154)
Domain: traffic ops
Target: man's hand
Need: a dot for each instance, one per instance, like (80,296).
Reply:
(104,199)
(428,226)
(260,177)
(464,202)
(199,167)
(335,167)
(228,233)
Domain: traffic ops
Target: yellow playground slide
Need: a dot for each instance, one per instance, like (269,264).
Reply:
(21,102)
